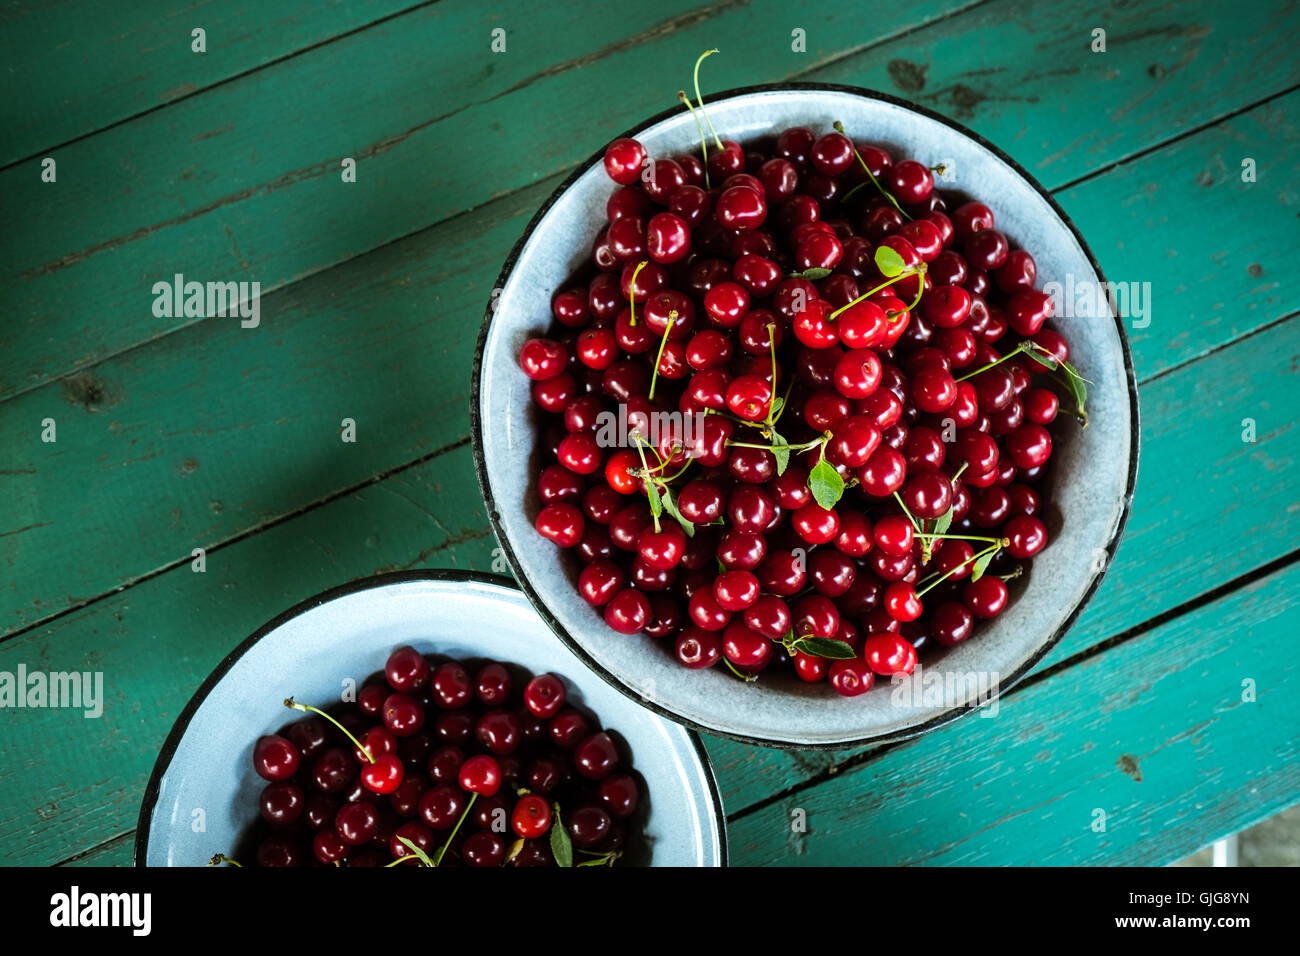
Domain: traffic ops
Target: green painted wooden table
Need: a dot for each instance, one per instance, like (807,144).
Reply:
(1174,704)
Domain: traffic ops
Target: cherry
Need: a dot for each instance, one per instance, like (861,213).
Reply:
(889,654)
(741,207)
(403,714)
(595,757)
(544,695)
(588,825)
(441,806)
(893,535)
(451,686)
(749,397)
(619,794)
(851,677)
(1027,536)
(328,848)
(282,803)
(356,823)
(747,649)
(543,359)
(275,758)
(953,622)
(481,775)
(832,154)
(310,736)
(662,549)
(406,669)
(901,603)
(566,728)
(769,616)
(384,775)
(531,816)
(628,611)
(986,597)
(736,590)
(697,648)
(667,237)
(815,524)
(623,161)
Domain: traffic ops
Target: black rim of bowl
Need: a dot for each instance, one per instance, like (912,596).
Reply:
(141,853)
(480,467)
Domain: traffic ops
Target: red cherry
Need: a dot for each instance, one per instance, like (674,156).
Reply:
(531,817)
(889,654)
(406,669)
(901,602)
(623,160)
(851,677)
(384,775)
(481,774)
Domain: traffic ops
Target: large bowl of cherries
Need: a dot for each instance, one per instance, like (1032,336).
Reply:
(424,719)
(784,423)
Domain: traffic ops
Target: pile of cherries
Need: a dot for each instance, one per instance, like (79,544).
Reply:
(870,376)
(436,764)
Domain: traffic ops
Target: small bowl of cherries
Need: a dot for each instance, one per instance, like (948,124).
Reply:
(426,719)
(780,411)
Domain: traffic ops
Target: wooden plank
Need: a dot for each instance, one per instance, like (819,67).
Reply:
(58,800)
(73,68)
(190,427)
(217,206)
(117,852)
(1209,508)
(208,186)
(182,622)
(1154,733)
(336,345)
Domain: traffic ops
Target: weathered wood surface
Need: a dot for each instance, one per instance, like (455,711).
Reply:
(181,434)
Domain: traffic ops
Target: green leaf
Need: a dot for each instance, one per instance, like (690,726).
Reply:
(981,565)
(671,507)
(781,452)
(943,522)
(825,647)
(815,275)
(420,854)
(1038,354)
(652,492)
(778,403)
(561,845)
(1075,383)
(825,484)
(889,262)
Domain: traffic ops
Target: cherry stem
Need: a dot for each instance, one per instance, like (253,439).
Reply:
(219,858)
(402,859)
(640,450)
(747,678)
(917,270)
(785,400)
(916,527)
(1015,351)
(294,705)
(793,448)
(654,379)
(704,141)
(700,100)
(839,127)
(947,574)
(916,300)
(454,830)
(631,320)
(952,537)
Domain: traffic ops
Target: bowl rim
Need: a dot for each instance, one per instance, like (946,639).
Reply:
(373,582)
(480,465)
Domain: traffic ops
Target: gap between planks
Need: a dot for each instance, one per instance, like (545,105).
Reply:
(220,83)
(654,33)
